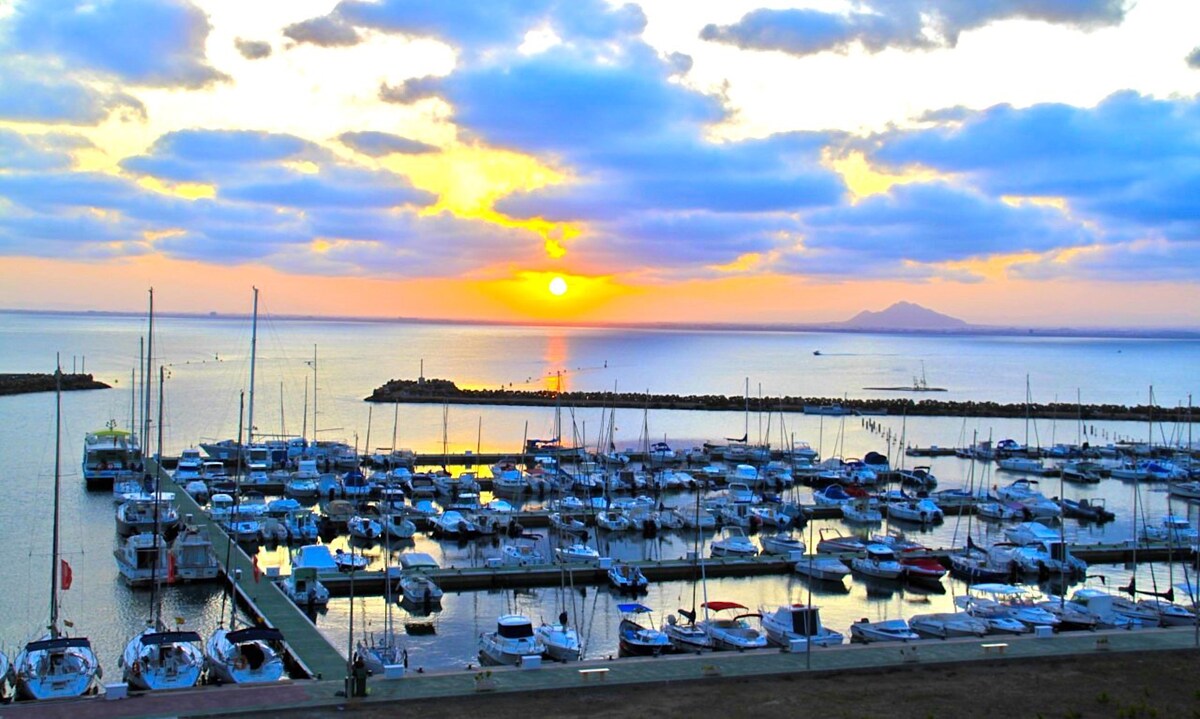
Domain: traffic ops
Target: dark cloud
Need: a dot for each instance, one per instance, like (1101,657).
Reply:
(378,144)
(411,90)
(253,49)
(326,31)
(37,152)
(1193,58)
(156,43)
(906,24)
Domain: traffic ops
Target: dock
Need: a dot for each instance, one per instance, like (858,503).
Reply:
(310,655)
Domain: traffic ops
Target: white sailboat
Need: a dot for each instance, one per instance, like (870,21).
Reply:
(379,651)
(57,666)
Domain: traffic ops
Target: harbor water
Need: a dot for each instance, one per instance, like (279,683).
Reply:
(207,363)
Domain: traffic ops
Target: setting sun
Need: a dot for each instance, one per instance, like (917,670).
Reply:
(558,286)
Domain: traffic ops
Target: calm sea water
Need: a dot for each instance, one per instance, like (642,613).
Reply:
(207,361)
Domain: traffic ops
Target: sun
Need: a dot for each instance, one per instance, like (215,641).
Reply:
(558,286)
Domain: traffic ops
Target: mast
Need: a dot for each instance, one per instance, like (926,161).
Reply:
(253,352)
(155,596)
(314,366)
(54,633)
(147,375)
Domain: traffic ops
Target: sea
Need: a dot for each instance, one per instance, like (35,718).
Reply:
(311,377)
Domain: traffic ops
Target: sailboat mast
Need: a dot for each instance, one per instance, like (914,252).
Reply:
(253,353)
(147,378)
(57,470)
(155,596)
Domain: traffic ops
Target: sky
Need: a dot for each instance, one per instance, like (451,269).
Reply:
(1012,162)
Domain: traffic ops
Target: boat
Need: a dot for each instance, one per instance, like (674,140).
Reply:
(560,641)
(245,656)
(522,553)
(1031,532)
(833,495)
(398,526)
(879,561)
(781,543)
(919,476)
(363,527)
(864,631)
(1171,529)
(1113,611)
(418,589)
(613,521)
(304,482)
(110,455)
(733,543)
(921,511)
(1185,490)
(304,589)
(944,625)
(925,570)
(142,512)
(731,631)
(625,577)
(798,625)
(860,511)
(637,639)
(142,560)
(160,659)
(57,666)
(576,554)
(1088,510)
(827,569)
(1081,471)
(1071,616)
(382,650)
(1025,465)
(834,542)
(974,564)
(513,639)
(999,511)
(191,557)
(1006,608)
(660,453)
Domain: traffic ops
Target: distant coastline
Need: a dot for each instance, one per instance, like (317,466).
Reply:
(799,328)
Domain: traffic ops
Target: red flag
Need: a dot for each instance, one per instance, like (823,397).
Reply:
(257,571)
(66,574)
(170,567)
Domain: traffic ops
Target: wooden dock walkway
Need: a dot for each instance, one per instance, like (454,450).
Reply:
(311,653)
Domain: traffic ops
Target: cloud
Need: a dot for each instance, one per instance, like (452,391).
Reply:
(252,49)
(475,28)
(1193,58)
(411,90)
(326,31)
(1134,261)
(379,144)
(905,24)
(37,152)
(157,43)
(31,92)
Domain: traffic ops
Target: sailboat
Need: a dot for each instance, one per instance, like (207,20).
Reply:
(157,658)
(57,665)
(691,637)
(560,639)
(383,650)
(242,656)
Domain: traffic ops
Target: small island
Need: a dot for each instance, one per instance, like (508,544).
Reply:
(441,391)
(41,382)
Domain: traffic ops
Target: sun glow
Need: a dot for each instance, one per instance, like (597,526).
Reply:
(558,286)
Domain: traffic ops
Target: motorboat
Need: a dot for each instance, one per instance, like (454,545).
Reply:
(865,631)
(304,483)
(349,561)
(142,560)
(148,512)
(1113,611)
(191,557)
(733,543)
(1071,616)
(832,496)
(1089,510)
(363,527)
(245,656)
(791,623)
(197,490)
(1171,529)
(625,577)
(781,543)
(522,553)
(660,453)
(559,639)
(1005,607)
(513,639)
(638,639)
(1081,471)
(110,455)
(944,625)
(1024,465)
(999,511)
(157,659)
(922,569)
(576,554)
(1185,490)
(860,511)
(974,564)
(509,479)
(419,590)
(728,630)
(834,542)
(1031,532)
(827,569)
(398,526)
(922,511)
(1169,613)
(300,525)
(920,477)
(879,561)
(567,524)
(189,466)
(304,589)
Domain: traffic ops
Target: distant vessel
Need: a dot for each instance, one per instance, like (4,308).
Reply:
(918,385)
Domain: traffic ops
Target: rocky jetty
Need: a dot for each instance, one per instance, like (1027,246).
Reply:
(26,383)
(445,391)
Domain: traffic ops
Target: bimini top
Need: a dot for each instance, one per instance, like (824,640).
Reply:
(719,606)
(634,607)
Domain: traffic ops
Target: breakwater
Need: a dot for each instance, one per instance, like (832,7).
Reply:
(28,383)
(440,391)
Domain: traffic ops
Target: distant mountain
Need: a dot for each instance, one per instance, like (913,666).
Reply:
(904,316)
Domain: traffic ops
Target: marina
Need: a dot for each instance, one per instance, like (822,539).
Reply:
(706,474)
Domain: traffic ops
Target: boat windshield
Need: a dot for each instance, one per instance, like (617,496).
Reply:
(803,622)
(515,631)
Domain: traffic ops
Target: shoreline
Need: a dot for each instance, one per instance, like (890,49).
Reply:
(440,391)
